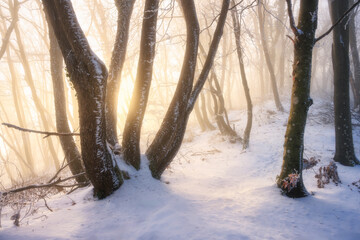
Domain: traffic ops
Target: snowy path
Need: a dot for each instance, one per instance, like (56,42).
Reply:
(213,190)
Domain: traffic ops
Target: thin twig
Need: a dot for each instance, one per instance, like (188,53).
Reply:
(57,173)
(46,205)
(55,183)
(337,22)
(214,19)
(40,132)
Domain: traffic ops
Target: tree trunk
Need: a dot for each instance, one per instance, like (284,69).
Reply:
(198,116)
(237,33)
(88,75)
(344,153)
(29,80)
(124,8)
(168,139)
(219,108)
(290,179)
(268,60)
(71,152)
(6,36)
(355,58)
(20,114)
(131,136)
(204,104)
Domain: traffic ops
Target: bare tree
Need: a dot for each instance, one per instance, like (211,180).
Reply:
(125,8)
(30,81)
(237,34)
(132,129)
(264,43)
(344,152)
(71,152)
(290,179)
(170,135)
(88,75)
(355,58)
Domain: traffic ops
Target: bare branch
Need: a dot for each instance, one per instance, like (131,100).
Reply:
(40,132)
(337,22)
(52,184)
(291,18)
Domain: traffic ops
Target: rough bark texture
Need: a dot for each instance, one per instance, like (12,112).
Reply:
(264,44)
(355,58)
(300,101)
(131,136)
(165,138)
(168,140)
(88,75)
(124,8)
(237,33)
(344,152)
(71,152)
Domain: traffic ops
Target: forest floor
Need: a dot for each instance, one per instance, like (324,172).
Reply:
(214,190)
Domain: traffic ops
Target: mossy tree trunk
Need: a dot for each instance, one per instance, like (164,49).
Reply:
(344,152)
(290,179)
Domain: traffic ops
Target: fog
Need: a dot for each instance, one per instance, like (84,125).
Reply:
(26,95)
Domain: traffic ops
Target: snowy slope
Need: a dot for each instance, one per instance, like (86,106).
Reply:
(214,190)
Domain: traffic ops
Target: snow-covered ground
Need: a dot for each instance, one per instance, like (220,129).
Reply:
(214,190)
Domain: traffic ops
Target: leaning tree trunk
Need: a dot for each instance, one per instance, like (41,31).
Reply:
(264,44)
(158,151)
(124,8)
(290,179)
(71,152)
(168,139)
(88,75)
(344,152)
(237,32)
(355,58)
(131,136)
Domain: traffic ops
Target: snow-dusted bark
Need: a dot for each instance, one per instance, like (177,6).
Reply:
(88,75)
(71,152)
(290,179)
(131,136)
(166,136)
(344,152)
(168,139)
(125,8)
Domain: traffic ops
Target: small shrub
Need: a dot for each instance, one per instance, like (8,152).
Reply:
(326,174)
(312,162)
